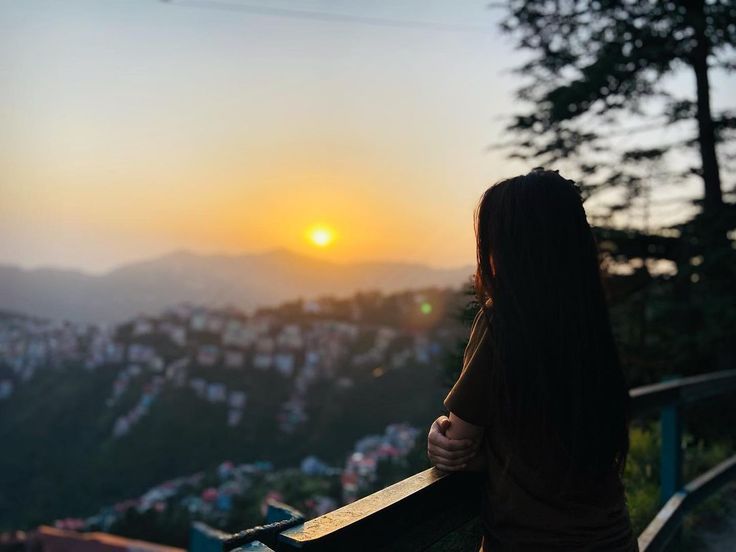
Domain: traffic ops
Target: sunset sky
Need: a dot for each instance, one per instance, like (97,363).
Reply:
(131,128)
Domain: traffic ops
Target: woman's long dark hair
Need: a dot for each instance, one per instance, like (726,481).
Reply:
(557,380)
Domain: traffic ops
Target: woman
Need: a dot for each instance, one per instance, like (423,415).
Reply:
(541,405)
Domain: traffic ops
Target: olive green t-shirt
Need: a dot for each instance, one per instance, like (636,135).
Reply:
(523,510)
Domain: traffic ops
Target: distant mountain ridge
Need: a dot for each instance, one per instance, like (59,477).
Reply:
(245,281)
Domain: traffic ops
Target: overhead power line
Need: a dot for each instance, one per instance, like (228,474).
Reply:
(333,17)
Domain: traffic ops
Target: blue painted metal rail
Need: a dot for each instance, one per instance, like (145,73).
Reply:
(669,397)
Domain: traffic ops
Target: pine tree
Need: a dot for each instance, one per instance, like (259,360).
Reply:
(598,65)
(600,107)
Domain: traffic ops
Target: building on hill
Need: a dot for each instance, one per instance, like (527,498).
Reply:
(284,363)
(208,355)
(237,399)
(262,361)
(51,539)
(233,359)
(216,392)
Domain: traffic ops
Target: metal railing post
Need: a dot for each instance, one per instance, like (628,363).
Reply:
(670,467)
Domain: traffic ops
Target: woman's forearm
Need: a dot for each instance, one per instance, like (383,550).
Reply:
(478,462)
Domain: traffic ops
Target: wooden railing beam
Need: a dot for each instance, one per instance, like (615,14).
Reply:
(409,515)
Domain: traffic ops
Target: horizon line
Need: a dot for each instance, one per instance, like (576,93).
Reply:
(31,267)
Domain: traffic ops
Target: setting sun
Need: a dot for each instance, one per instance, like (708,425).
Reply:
(321,236)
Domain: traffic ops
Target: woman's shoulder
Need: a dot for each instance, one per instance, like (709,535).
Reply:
(479,329)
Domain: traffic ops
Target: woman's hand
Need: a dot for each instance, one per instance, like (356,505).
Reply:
(448,454)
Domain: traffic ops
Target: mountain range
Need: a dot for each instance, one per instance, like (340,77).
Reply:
(245,281)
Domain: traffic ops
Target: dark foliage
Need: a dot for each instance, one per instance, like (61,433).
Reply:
(595,82)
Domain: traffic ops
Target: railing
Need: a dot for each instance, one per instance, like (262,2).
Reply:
(669,397)
(417,512)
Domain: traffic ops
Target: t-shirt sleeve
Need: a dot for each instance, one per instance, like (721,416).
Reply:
(469,397)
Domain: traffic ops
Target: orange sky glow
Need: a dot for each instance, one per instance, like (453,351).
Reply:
(131,129)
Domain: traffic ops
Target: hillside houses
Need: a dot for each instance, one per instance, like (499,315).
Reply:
(193,385)
(215,353)
(210,496)
(360,467)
